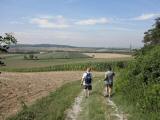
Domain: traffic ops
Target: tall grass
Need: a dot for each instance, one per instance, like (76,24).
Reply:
(139,85)
(94,107)
(51,107)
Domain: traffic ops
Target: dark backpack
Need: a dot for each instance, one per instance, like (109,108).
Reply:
(88,78)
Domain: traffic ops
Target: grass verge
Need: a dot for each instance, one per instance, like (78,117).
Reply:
(51,107)
(94,107)
(129,107)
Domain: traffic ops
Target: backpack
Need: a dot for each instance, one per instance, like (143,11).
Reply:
(88,78)
(106,78)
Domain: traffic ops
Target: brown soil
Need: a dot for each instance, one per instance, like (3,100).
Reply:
(16,88)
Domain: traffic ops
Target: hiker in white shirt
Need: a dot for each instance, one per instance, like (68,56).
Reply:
(87,82)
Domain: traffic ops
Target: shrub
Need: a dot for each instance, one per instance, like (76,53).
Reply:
(139,83)
(25,57)
(31,56)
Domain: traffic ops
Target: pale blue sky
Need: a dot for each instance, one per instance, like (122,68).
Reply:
(93,23)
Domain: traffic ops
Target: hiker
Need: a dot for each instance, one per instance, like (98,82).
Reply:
(87,82)
(108,81)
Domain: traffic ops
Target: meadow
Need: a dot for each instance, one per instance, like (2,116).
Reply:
(54,61)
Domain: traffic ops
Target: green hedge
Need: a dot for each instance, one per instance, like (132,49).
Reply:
(139,83)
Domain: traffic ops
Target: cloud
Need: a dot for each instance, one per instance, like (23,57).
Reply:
(92,21)
(16,22)
(57,22)
(146,16)
(121,29)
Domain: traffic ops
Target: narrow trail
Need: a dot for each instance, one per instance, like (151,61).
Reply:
(73,112)
(115,112)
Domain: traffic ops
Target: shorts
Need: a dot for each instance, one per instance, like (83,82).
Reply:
(88,87)
(108,84)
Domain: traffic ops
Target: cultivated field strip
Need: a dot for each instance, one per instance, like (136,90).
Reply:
(19,88)
(107,55)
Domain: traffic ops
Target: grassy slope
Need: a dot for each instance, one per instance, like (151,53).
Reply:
(61,55)
(51,107)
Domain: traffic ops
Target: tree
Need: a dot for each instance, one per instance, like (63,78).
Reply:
(31,56)
(25,57)
(36,57)
(152,36)
(5,43)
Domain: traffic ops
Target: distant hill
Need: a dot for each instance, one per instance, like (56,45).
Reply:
(42,45)
(26,48)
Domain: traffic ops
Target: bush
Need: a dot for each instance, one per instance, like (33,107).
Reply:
(139,83)
(25,57)
(31,56)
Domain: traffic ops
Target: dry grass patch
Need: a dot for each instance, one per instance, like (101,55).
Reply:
(107,55)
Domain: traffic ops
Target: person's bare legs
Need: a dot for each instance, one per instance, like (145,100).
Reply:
(106,90)
(109,91)
(89,93)
(85,92)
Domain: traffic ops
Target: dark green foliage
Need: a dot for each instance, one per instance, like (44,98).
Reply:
(25,57)
(140,83)
(2,63)
(152,36)
(31,56)
(5,43)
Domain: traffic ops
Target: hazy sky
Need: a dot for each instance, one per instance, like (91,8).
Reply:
(94,23)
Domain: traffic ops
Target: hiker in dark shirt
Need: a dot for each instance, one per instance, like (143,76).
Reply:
(108,81)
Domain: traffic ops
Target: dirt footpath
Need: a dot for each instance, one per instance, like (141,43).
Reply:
(19,88)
